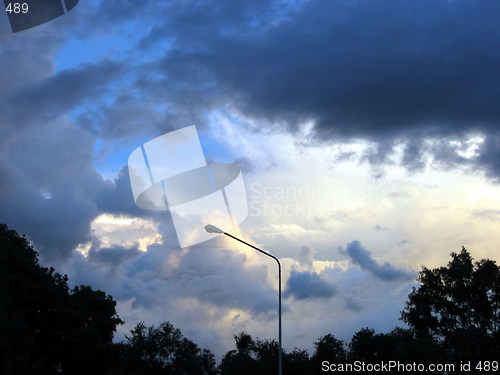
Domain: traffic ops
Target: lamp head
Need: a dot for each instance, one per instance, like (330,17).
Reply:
(213,229)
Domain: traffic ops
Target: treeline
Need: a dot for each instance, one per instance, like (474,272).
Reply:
(48,328)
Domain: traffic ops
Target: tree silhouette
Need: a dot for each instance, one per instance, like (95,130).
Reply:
(239,361)
(244,343)
(91,322)
(266,355)
(45,327)
(328,348)
(363,346)
(297,362)
(260,357)
(164,350)
(400,344)
(458,306)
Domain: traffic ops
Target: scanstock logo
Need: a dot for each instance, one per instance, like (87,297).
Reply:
(171,173)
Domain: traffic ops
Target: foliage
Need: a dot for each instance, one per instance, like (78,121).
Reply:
(266,355)
(401,344)
(240,361)
(297,362)
(328,348)
(261,357)
(163,350)
(458,306)
(45,327)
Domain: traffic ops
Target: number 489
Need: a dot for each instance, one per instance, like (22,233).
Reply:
(17,8)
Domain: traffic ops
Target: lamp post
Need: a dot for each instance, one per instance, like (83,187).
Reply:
(213,229)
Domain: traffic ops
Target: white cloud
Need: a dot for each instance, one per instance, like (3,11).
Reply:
(302,192)
(216,289)
(110,230)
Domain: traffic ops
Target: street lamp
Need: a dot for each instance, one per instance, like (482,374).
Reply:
(213,229)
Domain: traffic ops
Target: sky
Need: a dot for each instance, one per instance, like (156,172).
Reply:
(367,133)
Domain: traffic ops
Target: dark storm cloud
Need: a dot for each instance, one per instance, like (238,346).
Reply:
(60,93)
(183,94)
(35,198)
(127,116)
(114,256)
(489,156)
(392,72)
(359,68)
(115,197)
(363,258)
(49,188)
(308,285)
(56,225)
(193,23)
(54,200)
(26,58)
